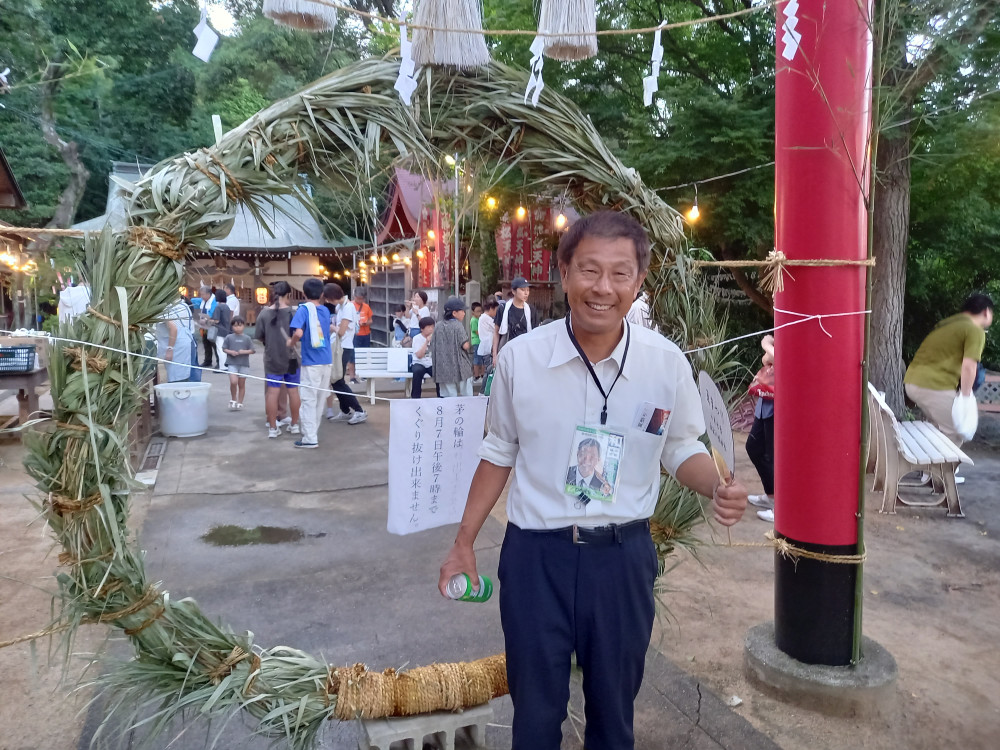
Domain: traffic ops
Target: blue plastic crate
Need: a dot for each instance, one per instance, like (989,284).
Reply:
(17,358)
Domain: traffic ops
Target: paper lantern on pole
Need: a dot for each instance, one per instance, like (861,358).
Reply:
(575,21)
(304,15)
(261,295)
(457,49)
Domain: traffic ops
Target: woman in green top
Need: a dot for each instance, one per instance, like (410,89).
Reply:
(477,360)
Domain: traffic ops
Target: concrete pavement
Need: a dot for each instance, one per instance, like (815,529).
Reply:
(347,590)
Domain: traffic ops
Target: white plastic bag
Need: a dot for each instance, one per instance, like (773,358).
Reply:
(965,415)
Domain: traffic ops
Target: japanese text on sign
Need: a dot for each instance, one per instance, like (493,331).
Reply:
(433,446)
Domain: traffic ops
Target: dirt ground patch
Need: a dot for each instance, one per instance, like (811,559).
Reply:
(932,598)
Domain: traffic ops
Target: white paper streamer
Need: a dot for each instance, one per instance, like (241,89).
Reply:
(207,38)
(650,84)
(406,84)
(791,37)
(535,82)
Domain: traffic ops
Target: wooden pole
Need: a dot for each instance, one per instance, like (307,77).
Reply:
(823,120)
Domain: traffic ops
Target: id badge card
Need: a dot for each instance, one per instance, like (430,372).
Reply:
(594,464)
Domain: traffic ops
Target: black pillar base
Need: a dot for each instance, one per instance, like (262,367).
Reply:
(814,605)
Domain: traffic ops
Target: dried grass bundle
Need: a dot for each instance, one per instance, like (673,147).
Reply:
(575,21)
(304,15)
(455,49)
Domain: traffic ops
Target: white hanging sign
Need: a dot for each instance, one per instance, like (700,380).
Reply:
(433,453)
(791,37)
(207,38)
(406,84)
(535,82)
(650,84)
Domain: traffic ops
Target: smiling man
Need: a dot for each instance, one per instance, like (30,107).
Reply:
(577,566)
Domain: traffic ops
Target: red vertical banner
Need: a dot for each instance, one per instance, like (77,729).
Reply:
(520,245)
(822,146)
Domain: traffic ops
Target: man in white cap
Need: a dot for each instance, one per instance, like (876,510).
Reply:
(516,318)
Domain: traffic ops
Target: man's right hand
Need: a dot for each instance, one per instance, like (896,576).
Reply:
(461,559)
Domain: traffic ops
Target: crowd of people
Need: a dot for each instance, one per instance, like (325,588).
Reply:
(309,348)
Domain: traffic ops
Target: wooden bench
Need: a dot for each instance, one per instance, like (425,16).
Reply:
(904,447)
(380,362)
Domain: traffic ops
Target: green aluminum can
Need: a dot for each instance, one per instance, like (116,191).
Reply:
(460,588)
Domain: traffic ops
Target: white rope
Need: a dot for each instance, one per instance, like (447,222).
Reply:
(803,318)
(193,367)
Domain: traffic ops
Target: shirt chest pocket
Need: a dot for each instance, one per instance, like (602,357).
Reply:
(641,459)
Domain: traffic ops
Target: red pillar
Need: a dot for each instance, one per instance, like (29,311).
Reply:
(823,95)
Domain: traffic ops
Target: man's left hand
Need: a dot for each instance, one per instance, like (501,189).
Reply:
(728,502)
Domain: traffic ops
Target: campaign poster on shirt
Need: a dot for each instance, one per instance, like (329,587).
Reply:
(593,464)
(433,453)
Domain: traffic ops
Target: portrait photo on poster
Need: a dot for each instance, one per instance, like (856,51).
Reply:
(594,463)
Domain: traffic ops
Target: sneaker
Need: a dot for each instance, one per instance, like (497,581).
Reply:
(342,416)
(761,501)
(294,430)
(239,406)
(273,432)
(232,406)
(766,515)
(358,417)
(284,422)
(300,444)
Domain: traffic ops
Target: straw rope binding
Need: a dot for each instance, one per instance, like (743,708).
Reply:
(524,32)
(448,687)
(775,265)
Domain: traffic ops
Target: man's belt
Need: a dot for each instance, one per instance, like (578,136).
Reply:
(614,533)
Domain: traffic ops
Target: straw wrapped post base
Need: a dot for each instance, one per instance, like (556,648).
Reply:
(341,130)
(449,687)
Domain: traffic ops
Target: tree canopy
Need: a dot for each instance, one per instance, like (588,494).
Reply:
(125,87)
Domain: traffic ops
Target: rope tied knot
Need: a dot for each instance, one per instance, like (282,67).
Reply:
(790,552)
(224,667)
(158,241)
(772,279)
(95,362)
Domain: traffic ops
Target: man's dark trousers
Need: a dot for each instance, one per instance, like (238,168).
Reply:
(557,597)
(209,350)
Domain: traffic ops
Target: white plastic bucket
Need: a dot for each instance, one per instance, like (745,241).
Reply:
(183,408)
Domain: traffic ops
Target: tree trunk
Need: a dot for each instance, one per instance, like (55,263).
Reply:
(71,195)
(891,232)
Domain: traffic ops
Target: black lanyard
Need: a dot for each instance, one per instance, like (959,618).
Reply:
(590,367)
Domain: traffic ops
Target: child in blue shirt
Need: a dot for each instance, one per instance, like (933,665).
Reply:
(311,327)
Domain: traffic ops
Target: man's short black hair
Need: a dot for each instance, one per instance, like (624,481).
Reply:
(611,225)
(475,305)
(313,289)
(589,443)
(237,321)
(230,288)
(424,322)
(977,303)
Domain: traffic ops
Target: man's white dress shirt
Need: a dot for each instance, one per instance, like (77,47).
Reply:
(233,302)
(542,390)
